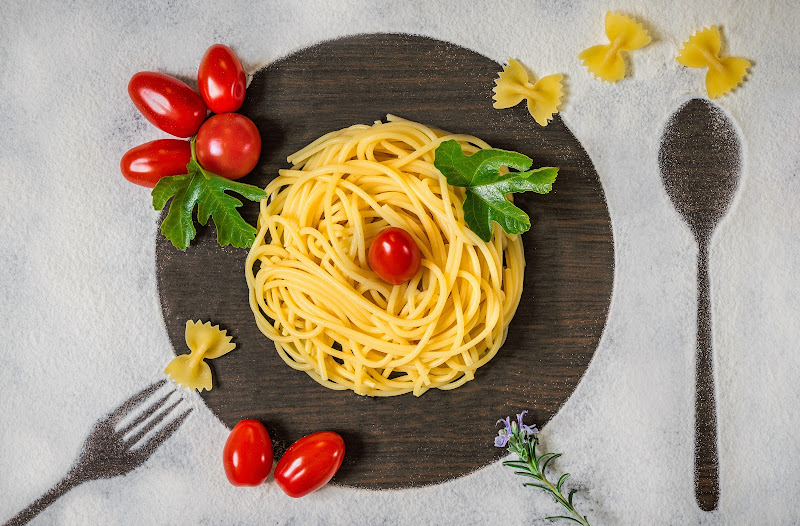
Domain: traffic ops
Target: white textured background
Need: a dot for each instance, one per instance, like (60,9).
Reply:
(81,328)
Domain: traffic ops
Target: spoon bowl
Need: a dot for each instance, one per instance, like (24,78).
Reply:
(700,164)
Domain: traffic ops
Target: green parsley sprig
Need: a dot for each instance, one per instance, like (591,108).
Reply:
(206,190)
(487,188)
(522,439)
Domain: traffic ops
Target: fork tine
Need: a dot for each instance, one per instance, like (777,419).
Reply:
(150,411)
(163,434)
(133,401)
(152,423)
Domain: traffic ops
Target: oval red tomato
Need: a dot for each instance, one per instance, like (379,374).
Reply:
(247,456)
(169,104)
(394,256)
(309,463)
(221,79)
(228,144)
(147,163)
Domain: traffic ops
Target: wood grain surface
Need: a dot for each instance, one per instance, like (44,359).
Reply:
(406,441)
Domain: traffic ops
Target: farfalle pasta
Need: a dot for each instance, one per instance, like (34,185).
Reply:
(512,87)
(702,50)
(606,61)
(205,342)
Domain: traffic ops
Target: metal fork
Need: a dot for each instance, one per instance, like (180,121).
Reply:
(108,452)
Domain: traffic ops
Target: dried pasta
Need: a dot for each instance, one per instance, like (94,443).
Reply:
(205,342)
(702,51)
(314,295)
(512,87)
(624,34)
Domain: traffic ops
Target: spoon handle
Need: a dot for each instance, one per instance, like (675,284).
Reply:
(706,461)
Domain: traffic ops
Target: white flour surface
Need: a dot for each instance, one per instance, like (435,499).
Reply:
(81,327)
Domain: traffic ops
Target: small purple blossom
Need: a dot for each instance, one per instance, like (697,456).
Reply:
(503,435)
(514,430)
(528,430)
(502,439)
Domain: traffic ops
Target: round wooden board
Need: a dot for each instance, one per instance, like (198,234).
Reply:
(406,441)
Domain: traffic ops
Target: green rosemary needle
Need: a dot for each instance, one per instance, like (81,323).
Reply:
(522,440)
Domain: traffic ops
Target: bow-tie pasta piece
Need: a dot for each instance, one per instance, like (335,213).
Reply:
(512,87)
(205,342)
(624,34)
(702,51)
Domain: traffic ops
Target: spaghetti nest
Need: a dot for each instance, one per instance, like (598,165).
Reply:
(312,290)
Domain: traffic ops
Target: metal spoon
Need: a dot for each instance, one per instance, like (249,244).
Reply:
(700,163)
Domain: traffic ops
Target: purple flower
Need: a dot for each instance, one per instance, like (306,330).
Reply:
(502,439)
(528,430)
(503,435)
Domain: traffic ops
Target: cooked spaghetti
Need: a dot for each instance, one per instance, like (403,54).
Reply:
(312,290)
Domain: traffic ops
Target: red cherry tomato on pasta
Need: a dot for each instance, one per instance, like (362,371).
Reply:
(309,463)
(394,256)
(169,104)
(247,456)
(228,144)
(147,163)
(221,79)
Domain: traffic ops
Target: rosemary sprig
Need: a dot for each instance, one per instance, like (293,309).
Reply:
(522,439)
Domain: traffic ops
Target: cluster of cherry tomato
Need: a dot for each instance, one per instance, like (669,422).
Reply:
(306,466)
(226,144)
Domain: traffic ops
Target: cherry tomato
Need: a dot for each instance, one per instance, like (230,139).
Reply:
(309,463)
(221,79)
(228,144)
(147,163)
(394,256)
(169,104)
(247,456)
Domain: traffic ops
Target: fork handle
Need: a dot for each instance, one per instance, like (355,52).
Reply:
(72,479)
(706,460)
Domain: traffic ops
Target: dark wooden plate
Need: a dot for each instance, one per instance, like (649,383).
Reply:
(406,441)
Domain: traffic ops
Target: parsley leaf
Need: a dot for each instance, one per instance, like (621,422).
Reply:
(486,188)
(207,191)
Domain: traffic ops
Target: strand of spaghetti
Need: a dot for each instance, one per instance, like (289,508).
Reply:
(313,294)
(318,279)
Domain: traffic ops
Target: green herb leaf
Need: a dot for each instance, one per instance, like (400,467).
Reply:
(208,192)
(573,519)
(522,440)
(561,481)
(546,458)
(487,188)
(569,497)
(532,485)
